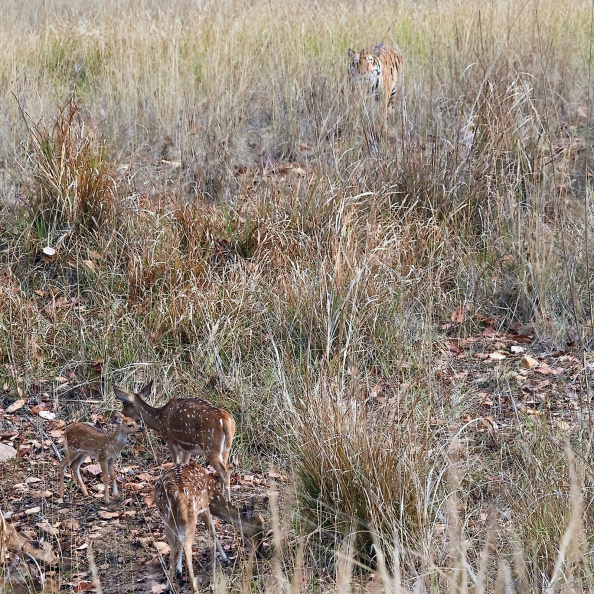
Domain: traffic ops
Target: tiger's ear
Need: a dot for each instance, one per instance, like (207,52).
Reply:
(351,54)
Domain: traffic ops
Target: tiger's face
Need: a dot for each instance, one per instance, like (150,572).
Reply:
(362,63)
(365,70)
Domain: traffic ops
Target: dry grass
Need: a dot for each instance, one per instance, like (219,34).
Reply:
(206,181)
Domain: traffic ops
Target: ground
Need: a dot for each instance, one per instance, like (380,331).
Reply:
(504,377)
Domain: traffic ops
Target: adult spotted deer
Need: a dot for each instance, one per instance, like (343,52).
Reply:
(83,440)
(190,426)
(187,492)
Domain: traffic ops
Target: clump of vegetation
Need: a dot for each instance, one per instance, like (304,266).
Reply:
(74,184)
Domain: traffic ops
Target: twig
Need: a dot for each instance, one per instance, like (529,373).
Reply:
(44,435)
(93,568)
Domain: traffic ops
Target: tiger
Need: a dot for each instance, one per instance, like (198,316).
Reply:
(375,71)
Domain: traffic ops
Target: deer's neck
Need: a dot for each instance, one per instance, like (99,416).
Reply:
(118,442)
(225,511)
(151,415)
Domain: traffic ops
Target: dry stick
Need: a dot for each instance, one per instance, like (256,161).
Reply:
(276,531)
(44,435)
(93,568)
(587,194)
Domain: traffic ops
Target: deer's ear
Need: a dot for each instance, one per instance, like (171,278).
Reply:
(122,395)
(144,393)
(116,418)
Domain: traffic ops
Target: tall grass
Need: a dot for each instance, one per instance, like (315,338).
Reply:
(223,217)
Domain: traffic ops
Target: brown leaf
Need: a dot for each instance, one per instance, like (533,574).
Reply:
(528,362)
(94,469)
(497,356)
(40,494)
(6,452)
(106,515)
(458,315)
(16,405)
(162,547)
(70,524)
(90,265)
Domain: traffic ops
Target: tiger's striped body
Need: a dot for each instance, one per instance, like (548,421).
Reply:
(374,71)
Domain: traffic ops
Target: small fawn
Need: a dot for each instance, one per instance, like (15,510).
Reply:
(190,426)
(83,440)
(183,494)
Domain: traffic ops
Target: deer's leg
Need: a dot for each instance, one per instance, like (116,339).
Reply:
(105,475)
(75,463)
(65,462)
(187,544)
(112,475)
(174,450)
(208,521)
(175,551)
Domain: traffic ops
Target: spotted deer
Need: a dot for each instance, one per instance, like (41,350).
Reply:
(187,492)
(83,440)
(189,426)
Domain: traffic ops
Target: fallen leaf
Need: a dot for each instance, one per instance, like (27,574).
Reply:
(16,405)
(94,469)
(528,362)
(84,586)
(20,488)
(48,528)
(106,515)
(162,547)
(497,356)
(458,315)
(6,452)
(516,349)
(32,479)
(33,510)
(47,415)
(70,524)
(90,265)
(40,494)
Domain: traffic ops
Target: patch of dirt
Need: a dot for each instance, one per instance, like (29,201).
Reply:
(123,534)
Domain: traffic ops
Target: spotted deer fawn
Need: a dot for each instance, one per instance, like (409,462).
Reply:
(83,440)
(190,426)
(187,492)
